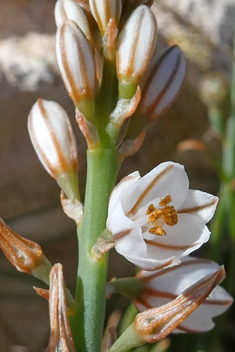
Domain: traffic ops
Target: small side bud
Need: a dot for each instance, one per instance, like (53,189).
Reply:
(162,82)
(104,10)
(60,336)
(135,47)
(25,255)
(71,10)
(54,142)
(77,66)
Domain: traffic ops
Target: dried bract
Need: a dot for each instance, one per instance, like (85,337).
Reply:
(25,255)
(60,337)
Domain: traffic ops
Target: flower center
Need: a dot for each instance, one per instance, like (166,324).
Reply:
(159,217)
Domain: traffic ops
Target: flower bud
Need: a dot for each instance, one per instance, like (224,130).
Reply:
(76,63)
(71,10)
(162,82)
(135,46)
(54,142)
(104,10)
(60,336)
(25,255)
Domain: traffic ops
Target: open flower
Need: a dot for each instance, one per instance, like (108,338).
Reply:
(163,286)
(157,219)
(155,324)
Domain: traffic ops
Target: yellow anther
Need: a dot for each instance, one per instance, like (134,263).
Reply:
(159,217)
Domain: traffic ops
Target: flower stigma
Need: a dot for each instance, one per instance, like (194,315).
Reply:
(159,217)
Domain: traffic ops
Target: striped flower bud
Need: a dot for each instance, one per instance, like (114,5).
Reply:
(162,82)
(54,142)
(76,63)
(104,10)
(135,46)
(70,10)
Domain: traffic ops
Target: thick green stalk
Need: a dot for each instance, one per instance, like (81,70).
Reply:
(87,322)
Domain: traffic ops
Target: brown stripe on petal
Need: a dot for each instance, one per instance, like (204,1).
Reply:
(197,208)
(169,246)
(121,234)
(143,302)
(63,165)
(156,293)
(167,270)
(148,189)
(165,88)
(217,302)
(130,69)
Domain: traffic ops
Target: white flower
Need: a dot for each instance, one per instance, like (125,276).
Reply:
(165,285)
(157,219)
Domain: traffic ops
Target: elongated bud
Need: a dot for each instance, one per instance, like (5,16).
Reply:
(25,255)
(155,324)
(162,82)
(60,336)
(54,142)
(77,66)
(104,10)
(71,10)
(135,47)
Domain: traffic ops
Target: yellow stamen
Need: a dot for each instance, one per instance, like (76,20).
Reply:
(165,215)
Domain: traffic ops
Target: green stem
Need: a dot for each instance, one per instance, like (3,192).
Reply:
(87,322)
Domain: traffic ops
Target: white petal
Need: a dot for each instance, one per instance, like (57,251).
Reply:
(166,179)
(180,240)
(150,263)
(104,10)
(200,204)
(121,188)
(127,235)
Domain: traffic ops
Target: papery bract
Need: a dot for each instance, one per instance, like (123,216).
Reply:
(164,285)
(157,219)
(25,255)
(60,336)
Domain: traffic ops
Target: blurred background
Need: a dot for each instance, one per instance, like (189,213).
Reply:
(29,198)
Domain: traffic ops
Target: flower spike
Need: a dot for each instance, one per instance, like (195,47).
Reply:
(135,47)
(71,10)
(61,337)
(162,286)
(162,82)
(155,220)
(54,142)
(25,255)
(76,63)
